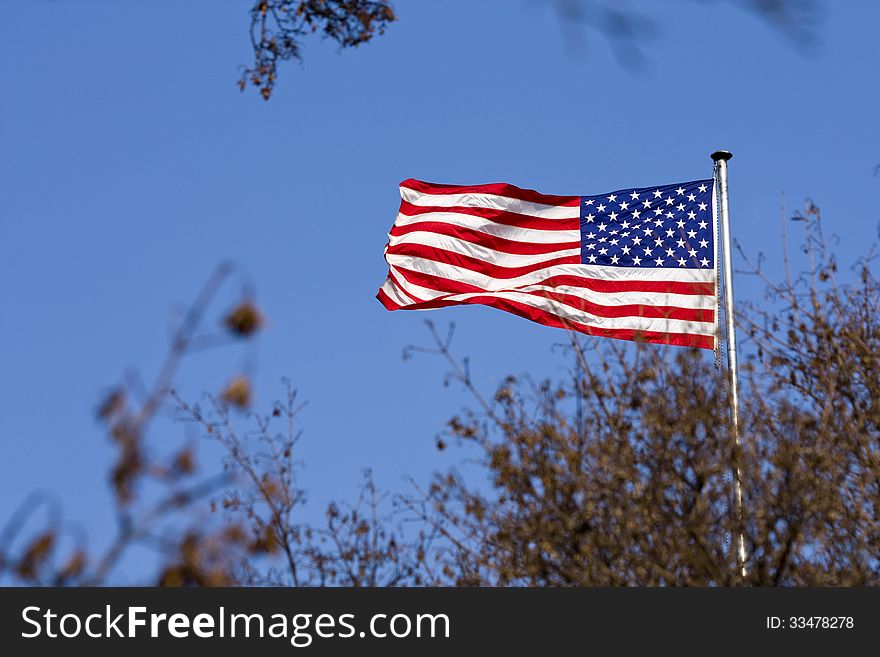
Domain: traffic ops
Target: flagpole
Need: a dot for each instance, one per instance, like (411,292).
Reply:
(720,158)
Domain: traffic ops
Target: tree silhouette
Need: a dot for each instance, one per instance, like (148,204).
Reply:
(278,27)
(634,488)
(617,475)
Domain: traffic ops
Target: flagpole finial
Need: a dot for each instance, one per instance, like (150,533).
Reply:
(721,155)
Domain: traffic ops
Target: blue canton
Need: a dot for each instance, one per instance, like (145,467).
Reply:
(669,226)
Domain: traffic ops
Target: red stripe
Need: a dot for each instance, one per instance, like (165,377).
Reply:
(626,310)
(450,287)
(498,216)
(500,189)
(401,289)
(388,302)
(438,283)
(475,264)
(595,284)
(604,285)
(484,239)
(549,319)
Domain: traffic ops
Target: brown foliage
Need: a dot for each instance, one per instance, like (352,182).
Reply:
(278,26)
(633,488)
(616,475)
(156,491)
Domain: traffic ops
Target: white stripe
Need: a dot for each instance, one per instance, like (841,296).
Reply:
(492,201)
(688,301)
(391,290)
(490,283)
(490,256)
(530,235)
(633,323)
(577,315)
(684,274)
(691,301)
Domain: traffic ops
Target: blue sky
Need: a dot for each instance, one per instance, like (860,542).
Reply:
(130,166)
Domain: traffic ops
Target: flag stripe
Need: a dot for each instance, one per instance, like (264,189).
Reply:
(492,202)
(483,222)
(428,287)
(506,216)
(560,274)
(593,313)
(504,190)
(521,251)
(485,250)
(703,341)
(475,236)
(474,262)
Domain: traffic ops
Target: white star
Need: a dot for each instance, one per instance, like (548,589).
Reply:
(625,224)
(658,211)
(592,258)
(680,207)
(603,251)
(658,242)
(614,260)
(669,200)
(647,251)
(637,260)
(647,204)
(702,206)
(703,224)
(659,261)
(669,215)
(591,246)
(692,253)
(603,239)
(647,231)
(669,232)
(680,223)
(612,198)
(602,227)
(658,222)
(669,252)
(614,242)
(702,188)
(679,191)
(588,202)
(636,214)
(692,215)
(692,234)
(637,240)
(601,208)
(613,216)
(634,196)
(692,197)
(658,193)
(625,250)
(681,262)
(704,262)
(704,244)
(625,234)
(591,236)
(624,205)
(680,244)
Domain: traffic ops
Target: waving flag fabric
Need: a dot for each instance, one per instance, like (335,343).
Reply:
(636,264)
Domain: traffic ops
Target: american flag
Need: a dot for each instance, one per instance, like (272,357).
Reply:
(635,264)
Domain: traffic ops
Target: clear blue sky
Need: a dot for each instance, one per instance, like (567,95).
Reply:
(130,165)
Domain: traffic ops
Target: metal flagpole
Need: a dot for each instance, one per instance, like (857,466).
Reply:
(721,158)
